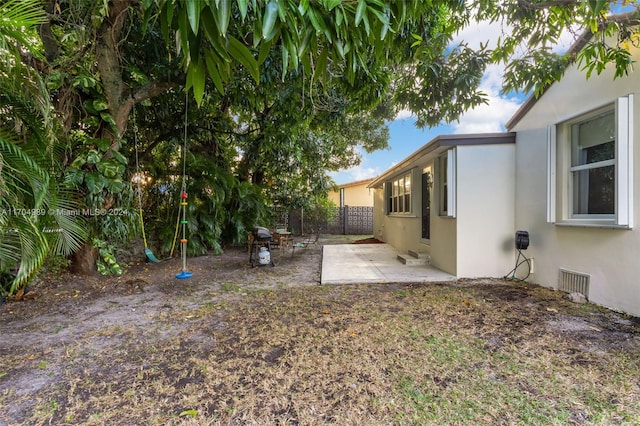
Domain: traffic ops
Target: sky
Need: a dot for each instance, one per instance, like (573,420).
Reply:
(406,138)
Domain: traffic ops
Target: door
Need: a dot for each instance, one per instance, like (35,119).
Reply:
(426,204)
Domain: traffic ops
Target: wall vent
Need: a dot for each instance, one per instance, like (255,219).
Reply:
(574,282)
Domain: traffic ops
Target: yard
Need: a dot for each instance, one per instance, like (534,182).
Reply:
(260,346)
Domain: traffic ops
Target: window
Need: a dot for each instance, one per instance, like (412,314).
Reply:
(590,170)
(400,195)
(446,183)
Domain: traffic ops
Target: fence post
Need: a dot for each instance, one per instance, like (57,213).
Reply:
(345,221)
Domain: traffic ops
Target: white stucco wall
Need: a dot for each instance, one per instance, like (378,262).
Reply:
(485,216)
(609,256)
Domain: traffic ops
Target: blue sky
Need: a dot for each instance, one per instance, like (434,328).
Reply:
(406,138)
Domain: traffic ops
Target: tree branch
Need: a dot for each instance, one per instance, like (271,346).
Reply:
(149,90)
(525,4)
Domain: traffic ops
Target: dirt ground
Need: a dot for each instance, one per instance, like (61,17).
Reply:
(81,338)
(61,310)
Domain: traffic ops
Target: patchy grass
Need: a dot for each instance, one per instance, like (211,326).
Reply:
(483,353)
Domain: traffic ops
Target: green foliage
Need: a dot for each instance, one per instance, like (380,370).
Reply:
(221,209)
(29,192)
(6,279)
(98,173)
(287,141)
(536,28)
(107,262)
(55,265)
(318,213)
(320,39)
(436,81)
(20,19)
(286,89)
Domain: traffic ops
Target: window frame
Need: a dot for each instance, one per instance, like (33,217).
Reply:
(399,194)
(447,183)
(578,191)
(560,170)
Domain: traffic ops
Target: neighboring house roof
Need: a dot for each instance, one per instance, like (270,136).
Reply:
(355,183)
(446,141)
(578,45)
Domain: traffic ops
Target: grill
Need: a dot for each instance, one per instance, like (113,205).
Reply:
(261,234)
(260,237)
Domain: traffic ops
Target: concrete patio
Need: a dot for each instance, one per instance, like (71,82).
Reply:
(372,263)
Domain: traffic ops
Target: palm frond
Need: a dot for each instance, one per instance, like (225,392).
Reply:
(9,240)
(66,231)
(20,163)
(18,19)
(33,251)
(22,13)
(21,96)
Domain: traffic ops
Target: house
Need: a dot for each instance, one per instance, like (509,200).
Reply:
(564,172)
(452,200)
(355,193)
(354,215)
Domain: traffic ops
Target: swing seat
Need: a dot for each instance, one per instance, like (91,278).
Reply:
(151,256)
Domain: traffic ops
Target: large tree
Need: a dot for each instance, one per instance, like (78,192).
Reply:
(411,39)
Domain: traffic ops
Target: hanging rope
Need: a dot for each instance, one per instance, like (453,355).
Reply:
(183,196)
(147,250)
(184,145)
(183,186)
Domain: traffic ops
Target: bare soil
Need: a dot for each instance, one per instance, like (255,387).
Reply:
(268,345)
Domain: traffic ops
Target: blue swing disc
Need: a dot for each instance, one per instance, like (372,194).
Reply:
(184,274)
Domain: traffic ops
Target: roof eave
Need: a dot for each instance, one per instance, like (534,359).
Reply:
(445,141)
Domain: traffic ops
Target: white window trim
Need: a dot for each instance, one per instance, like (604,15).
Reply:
(624,174)
(551,174)
(624,157)
(451,185)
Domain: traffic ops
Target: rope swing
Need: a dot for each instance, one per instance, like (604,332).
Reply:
(147,251)
(183,200)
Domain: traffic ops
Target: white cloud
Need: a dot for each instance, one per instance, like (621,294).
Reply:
(404,114)
(354,174)
(492,116)
(489,117)
(365,170)
(480,32)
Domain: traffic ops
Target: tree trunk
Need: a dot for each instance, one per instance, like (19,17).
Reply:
(120,97)
(110,69)
(84,260)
